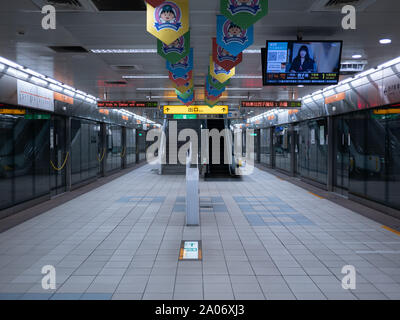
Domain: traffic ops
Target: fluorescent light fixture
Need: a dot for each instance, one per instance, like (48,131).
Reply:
(144,76)
(308,100)
(385,41)
(123,51)
(318,97)
(58,83)
(389,63)
(365,73)
(2,66)
(33,73)
(329,93)
(69,92)
(234,97)
(356,56)
(252,51)
(67,87)
(244,76)
(243,89)
(300,86)
(9,63)
(79,96)
(55,87)
(38,81)
(155,89)
(16,73)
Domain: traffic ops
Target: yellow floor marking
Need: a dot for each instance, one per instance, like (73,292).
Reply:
(391,230)
(317,195)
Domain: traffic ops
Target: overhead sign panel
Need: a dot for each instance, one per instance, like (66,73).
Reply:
(196,110)
(127,104)
(271,104)
(33,96)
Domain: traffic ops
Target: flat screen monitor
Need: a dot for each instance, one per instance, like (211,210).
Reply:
(301,62)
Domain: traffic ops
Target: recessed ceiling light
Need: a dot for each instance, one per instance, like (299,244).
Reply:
(385,41)
(300,86)
(356,56)
(144,76)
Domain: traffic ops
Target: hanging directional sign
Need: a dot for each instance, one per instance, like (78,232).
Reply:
(177,50)
(195,110)
(155,3)
(180,81)
(244,13)
(185,87)
(215,83)
(183,66)
(220,73)
(168,21)
(232,37)
(212,91)
(223,58)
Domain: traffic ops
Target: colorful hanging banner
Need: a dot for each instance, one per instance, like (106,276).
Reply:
(220,73)
(168,21)
(155,3)
(223,58)
(177,50)
(187,101)
(180,81)
(244,13)
(212,91)
(232,37)
(183,66)
(184,95)
(183,88)
(215,83)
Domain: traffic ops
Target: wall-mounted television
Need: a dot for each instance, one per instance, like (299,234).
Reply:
(301,62)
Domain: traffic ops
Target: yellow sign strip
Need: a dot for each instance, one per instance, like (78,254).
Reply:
(196,110)
(12,111)
(391,230)
(387,111)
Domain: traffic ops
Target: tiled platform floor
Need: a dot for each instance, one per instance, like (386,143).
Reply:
(263,238)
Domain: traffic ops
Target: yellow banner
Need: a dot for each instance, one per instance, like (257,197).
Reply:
(196,110)
(220,73)
(168,21)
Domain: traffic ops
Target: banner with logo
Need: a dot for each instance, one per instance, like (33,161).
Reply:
(223,58)
(188,100)
(183,88)
(186,94)
(183,66)
(155,3)
(220,73)
(244,13)
(232,37)
(212,91)
(168,21)
(177,50)
(180,81)
(216,84)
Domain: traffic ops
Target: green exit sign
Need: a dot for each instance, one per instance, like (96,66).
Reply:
(185,116)
(37,117)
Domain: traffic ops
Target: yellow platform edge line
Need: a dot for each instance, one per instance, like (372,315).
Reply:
(391,230)
(316,195)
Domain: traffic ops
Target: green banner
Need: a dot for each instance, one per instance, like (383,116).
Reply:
(177,50)
(244,13)
(215,83)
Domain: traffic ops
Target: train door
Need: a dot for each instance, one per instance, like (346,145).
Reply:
(58,155)
(342,151)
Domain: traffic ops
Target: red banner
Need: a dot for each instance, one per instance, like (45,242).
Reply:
(155,3)
(223,58)
(181,81)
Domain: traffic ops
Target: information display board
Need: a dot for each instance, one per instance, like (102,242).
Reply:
(127,104)
(271,104)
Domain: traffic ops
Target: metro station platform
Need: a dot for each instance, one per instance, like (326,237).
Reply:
(262,238)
